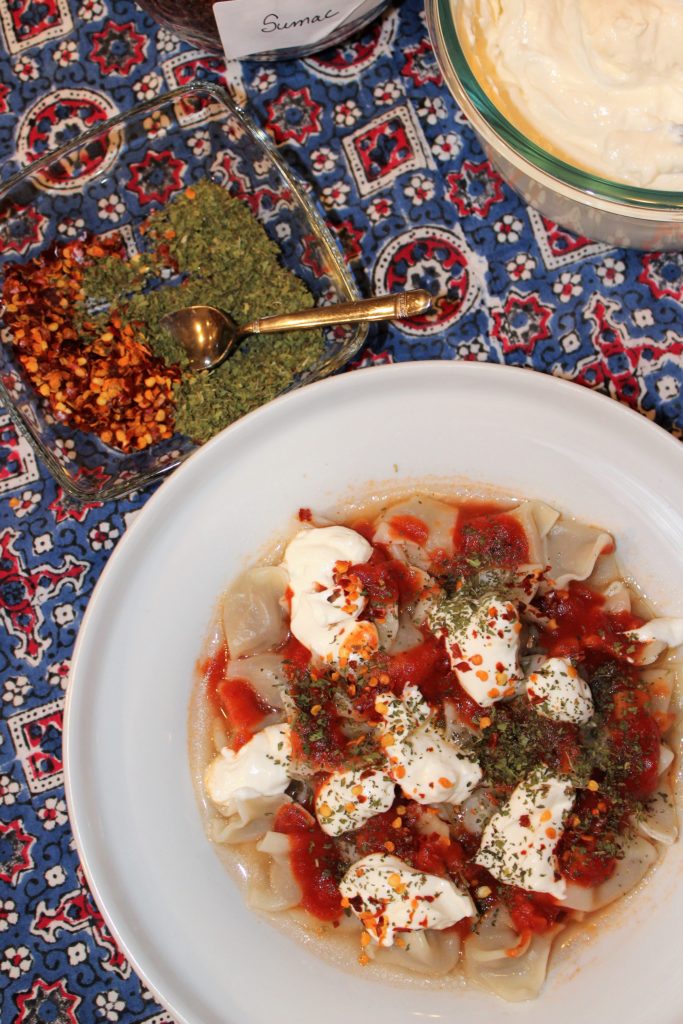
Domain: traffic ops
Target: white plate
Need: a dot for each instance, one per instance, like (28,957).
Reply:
(174,910)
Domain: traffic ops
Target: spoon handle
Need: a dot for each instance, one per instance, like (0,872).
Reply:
(386,307)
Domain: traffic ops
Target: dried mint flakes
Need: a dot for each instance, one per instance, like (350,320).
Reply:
(206,247)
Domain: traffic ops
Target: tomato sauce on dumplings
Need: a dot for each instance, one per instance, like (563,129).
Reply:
(439,732)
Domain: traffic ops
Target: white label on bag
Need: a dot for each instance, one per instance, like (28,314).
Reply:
(259,26)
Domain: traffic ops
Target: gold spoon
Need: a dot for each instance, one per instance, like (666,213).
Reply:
(207,334)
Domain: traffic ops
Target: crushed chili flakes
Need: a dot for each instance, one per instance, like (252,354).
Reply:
(100,378)
(86,323)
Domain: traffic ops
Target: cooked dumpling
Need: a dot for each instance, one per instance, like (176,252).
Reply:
(638,857)
(440,711)
(660,684)
(657,636)
(418,530)
(573,550)
(407,636)
(490,960)
(275,888)
(252,818)
(536,519)
(265,673)
(660,821)
(617,597)
(254,617)
(426,952)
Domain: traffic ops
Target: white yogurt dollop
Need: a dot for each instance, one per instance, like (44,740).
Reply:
(325,614)
(483,648)
(393,896)
(429,768)
(346,800)
(599,83)
(657,635)
(518,844)
(557,691)
(259,768)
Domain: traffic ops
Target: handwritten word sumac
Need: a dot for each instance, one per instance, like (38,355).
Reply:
(271,22)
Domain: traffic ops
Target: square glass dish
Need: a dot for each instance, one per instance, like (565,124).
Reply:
(109,179)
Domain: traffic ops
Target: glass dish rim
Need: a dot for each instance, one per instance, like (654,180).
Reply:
(441,22)
(79,492)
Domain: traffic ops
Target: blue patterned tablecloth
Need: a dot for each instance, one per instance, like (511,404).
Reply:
(413,201)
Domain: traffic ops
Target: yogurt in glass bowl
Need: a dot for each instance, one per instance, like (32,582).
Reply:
(578,106)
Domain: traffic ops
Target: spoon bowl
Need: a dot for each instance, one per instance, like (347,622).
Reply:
(208,334)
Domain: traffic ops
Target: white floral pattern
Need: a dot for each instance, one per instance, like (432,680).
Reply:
(16,960)
(109,1005)
(9,790)
(8,914)
(148,87)
(53,812)
(567,286)
(111,208)
(347,113)
(25,503)
(419,189)
(16,690)
(508,228)
(103,537)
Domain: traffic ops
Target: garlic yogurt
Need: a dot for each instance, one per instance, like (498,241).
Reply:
(597,83)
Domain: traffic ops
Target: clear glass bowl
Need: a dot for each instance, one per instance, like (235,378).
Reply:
(56,198)
(589,205)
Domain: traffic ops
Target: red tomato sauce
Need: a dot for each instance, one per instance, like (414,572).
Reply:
(402,832)
(532,911)
(636,740)
(425,666)
(314,860)
(296,656)
(466,707)
(578,627)
(579,624)
(410,528)
(365,527)
(379,835)
(235,699)
(244,709)
(438,855)
(490,538)
(583,854)
(213,670)
(385,580)
(316,730)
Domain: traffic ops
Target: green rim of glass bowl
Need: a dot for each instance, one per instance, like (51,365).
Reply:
(457,70)
(79,491)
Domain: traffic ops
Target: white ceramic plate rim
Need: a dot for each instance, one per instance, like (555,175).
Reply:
(655,452)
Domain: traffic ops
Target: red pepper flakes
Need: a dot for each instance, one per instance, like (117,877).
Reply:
(108,383)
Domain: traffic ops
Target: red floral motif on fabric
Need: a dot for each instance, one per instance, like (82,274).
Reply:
(23,590)
(15,851)
(117,49)
(156,177)
(475,188)
(421,64)
(45,1002)
(294,116)
(522,322)
(663,274)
